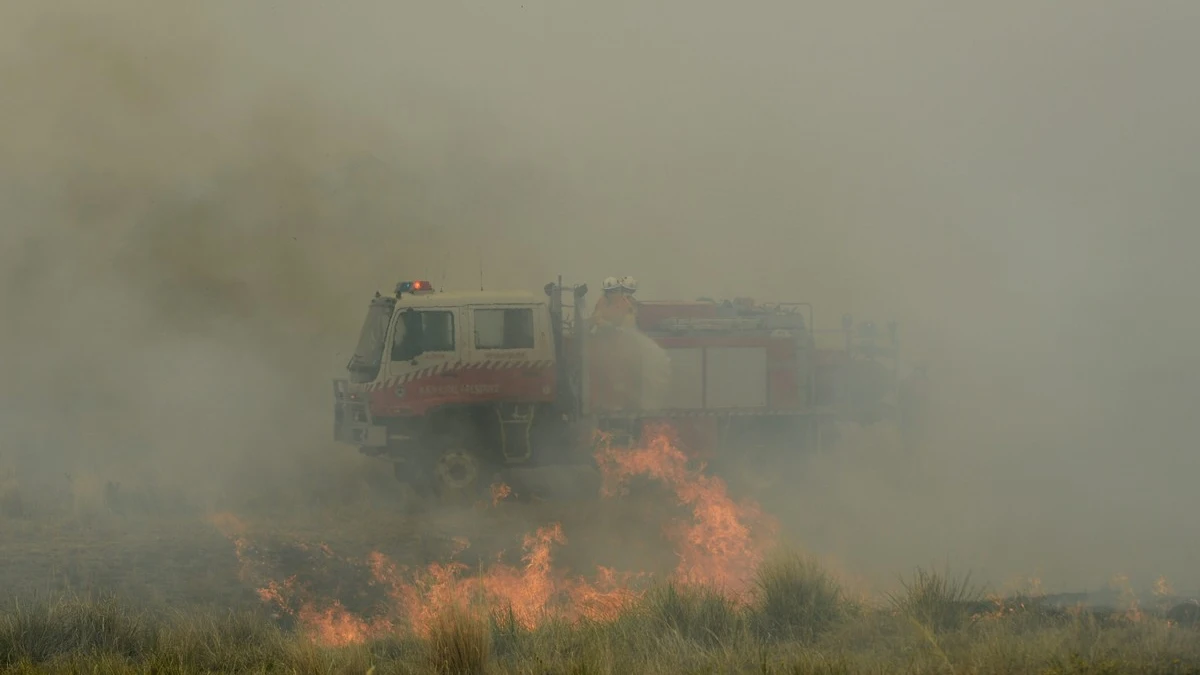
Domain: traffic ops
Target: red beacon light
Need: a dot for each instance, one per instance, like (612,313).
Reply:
(413,287)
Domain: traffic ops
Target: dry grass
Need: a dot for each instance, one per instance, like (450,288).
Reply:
(799,618)
(797,599)
(799,622)
(459,644)
(939,602)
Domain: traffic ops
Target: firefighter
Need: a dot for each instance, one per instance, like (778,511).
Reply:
(614,309)
(628,288)
(615,376)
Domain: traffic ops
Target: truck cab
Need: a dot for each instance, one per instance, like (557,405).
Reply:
(462,373)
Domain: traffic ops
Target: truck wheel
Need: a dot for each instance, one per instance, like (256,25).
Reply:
(460,474)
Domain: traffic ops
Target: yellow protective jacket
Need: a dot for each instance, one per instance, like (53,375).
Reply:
(616,310)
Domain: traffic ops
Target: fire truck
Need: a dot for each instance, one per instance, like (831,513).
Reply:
(453,387)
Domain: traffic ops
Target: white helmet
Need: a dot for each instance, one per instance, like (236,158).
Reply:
(629,284)
(611,284)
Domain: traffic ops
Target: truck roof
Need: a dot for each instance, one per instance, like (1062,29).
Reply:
(460,298)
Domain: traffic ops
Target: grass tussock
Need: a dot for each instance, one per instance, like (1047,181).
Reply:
(940,601)
(797,599)
(459,644)
(694,615)
(798,622)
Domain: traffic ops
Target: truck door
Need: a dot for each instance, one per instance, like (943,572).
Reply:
(515,342)
(424,341)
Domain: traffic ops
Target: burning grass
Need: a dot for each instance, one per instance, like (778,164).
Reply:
(729,603)
(718,544)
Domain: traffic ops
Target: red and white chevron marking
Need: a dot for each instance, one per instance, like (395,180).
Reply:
(443,368)
(713,412)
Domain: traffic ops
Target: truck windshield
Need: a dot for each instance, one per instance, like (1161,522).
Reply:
(364,365)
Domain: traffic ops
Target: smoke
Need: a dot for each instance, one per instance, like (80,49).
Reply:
(199,201)
(191,234)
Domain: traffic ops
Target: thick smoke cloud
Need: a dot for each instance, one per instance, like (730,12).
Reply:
(191,232)
(200,200)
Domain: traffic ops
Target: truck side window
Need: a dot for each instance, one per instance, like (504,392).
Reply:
(439,331)
(433,333)
(504,328)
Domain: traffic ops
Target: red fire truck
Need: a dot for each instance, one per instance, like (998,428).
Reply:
(455,386)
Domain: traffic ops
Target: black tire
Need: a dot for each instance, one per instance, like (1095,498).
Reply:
(460,474)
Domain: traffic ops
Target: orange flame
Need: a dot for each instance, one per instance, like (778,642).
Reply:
(1128,597)
(1163,589)
(722,545)
(500,492)
(234,529)
(335,627)
(529,593)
